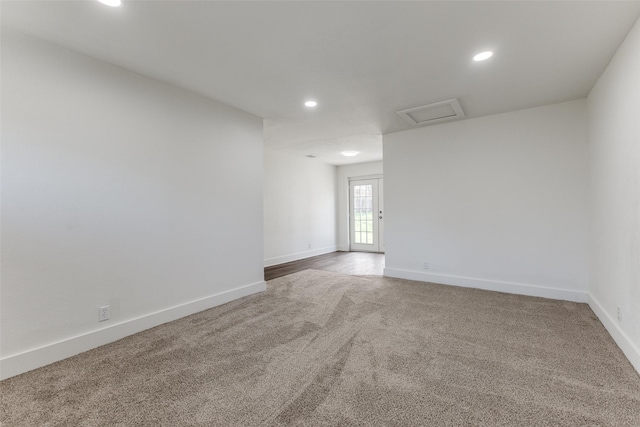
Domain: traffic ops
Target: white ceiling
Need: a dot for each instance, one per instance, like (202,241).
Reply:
(362,61)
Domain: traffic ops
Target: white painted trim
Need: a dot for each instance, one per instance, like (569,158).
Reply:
(22,362)
(364,177)
(300,255)
(343,248)
(489,285)
(630,350)
(619,336)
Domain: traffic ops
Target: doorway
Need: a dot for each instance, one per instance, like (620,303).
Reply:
(366,226)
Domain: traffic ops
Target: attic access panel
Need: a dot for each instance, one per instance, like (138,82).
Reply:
(433,113)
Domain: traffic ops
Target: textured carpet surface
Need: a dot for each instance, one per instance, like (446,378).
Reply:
(320,348)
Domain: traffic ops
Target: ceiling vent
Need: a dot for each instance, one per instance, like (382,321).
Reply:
(433,113)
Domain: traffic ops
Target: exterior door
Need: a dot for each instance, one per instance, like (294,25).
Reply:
(366,226)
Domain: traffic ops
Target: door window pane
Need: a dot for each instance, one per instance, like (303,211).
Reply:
(363,213)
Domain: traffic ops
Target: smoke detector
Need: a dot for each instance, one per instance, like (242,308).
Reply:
(433,113)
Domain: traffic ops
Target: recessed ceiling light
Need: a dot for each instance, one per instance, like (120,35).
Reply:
(350,153)
(310,104)
(112,3)
(483,55)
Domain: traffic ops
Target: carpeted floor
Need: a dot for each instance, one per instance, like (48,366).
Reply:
(321,348)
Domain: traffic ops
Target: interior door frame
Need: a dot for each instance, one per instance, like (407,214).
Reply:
(378,225)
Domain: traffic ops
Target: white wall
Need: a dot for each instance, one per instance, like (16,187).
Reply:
(614,141)
(344,173)
(497,202)
(117,190)
(299,207)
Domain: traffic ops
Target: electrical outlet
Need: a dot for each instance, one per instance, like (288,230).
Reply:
(103,313)
(619,314)
(426,265)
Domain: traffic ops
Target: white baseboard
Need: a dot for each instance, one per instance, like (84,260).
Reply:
(22,362)
(489,285)
(630,350)
(300,255)
(619,336)
(342,248)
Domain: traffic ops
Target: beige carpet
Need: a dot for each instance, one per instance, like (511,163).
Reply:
(321,348)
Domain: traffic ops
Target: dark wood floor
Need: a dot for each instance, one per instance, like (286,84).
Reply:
(354,263)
